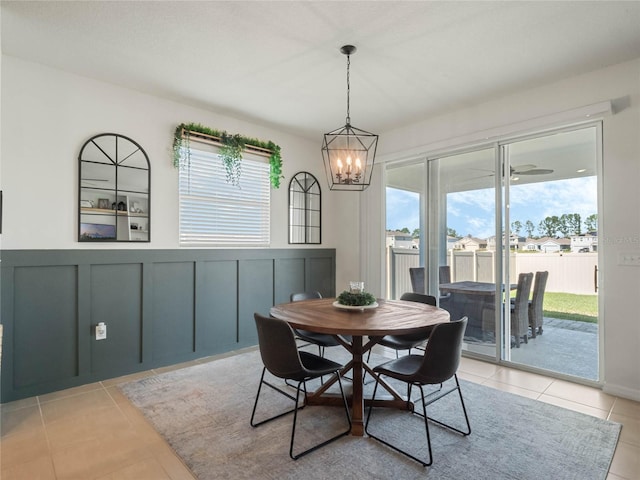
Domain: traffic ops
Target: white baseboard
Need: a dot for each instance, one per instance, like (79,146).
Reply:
(620,391)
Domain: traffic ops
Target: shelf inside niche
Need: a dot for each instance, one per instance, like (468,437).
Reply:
(102,211)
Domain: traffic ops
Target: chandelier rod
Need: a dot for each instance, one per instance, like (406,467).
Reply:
(348,89)
(348,50)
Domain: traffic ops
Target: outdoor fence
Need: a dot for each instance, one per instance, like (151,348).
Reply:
(568,272)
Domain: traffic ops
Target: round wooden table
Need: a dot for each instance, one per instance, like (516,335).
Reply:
(391,317)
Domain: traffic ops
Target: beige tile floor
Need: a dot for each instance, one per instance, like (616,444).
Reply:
(93,431)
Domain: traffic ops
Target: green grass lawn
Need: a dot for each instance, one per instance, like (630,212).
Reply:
(569,306)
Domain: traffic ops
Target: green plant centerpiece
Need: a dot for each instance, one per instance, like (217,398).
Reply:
(361,299)
(231,148)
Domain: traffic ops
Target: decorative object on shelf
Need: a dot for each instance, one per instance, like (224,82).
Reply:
(348,152)
(114,176)
(231,148)
(305,204)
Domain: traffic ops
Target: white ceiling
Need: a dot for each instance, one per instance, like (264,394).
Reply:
(278,63)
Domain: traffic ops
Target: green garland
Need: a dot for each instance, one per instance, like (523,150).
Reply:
(230,152)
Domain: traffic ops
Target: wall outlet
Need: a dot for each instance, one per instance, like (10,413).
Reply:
(101,331)
(631,259)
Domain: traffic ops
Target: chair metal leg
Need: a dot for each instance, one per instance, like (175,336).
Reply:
(255,404)
(425,401)
(322,444)
(301,387)
(464,409)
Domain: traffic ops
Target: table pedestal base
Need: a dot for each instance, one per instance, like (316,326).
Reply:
(358,403)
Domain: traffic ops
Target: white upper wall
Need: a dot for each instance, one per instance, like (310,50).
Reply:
(48,114)
(619,220)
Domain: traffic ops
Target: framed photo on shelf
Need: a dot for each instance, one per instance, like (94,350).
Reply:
(104,203)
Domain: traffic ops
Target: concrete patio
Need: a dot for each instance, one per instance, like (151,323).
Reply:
(566,346)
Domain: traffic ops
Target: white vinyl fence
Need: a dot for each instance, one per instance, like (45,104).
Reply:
(568,272)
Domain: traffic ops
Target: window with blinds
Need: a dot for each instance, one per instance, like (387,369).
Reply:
(216,213)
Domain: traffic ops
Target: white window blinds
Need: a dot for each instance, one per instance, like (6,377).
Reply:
(216,213)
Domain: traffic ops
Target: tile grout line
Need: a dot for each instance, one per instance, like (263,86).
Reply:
(46,436)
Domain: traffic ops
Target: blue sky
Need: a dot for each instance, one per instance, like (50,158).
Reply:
(472,212)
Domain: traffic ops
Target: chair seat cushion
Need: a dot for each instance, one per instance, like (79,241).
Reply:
(322,339)
(317,366)
(401,367)
(404,342)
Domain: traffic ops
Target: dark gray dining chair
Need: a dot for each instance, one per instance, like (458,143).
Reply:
(322,340)
(282,359)
(438,365)
(408,341)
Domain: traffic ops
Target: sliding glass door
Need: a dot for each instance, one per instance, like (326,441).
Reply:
(462,220)
(553,219)
(492,213)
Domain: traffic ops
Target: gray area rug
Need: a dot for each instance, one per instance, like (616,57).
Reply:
(203,412)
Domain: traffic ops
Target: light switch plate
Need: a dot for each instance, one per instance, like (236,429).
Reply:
(101,331)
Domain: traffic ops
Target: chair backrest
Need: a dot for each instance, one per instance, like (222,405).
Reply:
(442,354)
(538,289)
(521,302)
(419,297)
(417,279)
(299,296)
(278,347)
(444,274)
(535,307)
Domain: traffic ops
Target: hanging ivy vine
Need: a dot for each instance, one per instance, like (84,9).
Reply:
(230,153)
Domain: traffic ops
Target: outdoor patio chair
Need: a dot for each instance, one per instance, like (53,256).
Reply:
(535,304)
(417,279)
(444,276)
(438,364)
(520,309)
(281,357)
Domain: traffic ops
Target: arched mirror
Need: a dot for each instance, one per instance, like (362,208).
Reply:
(304,209)
(114,186)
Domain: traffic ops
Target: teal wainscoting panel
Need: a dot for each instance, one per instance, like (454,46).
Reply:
(321,276)
(217,303)
(116,300)
(45,325)
(289,277)
(161,307)
(255,293)
(173,310)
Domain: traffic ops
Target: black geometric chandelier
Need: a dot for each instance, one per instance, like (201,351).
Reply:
(348,152)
